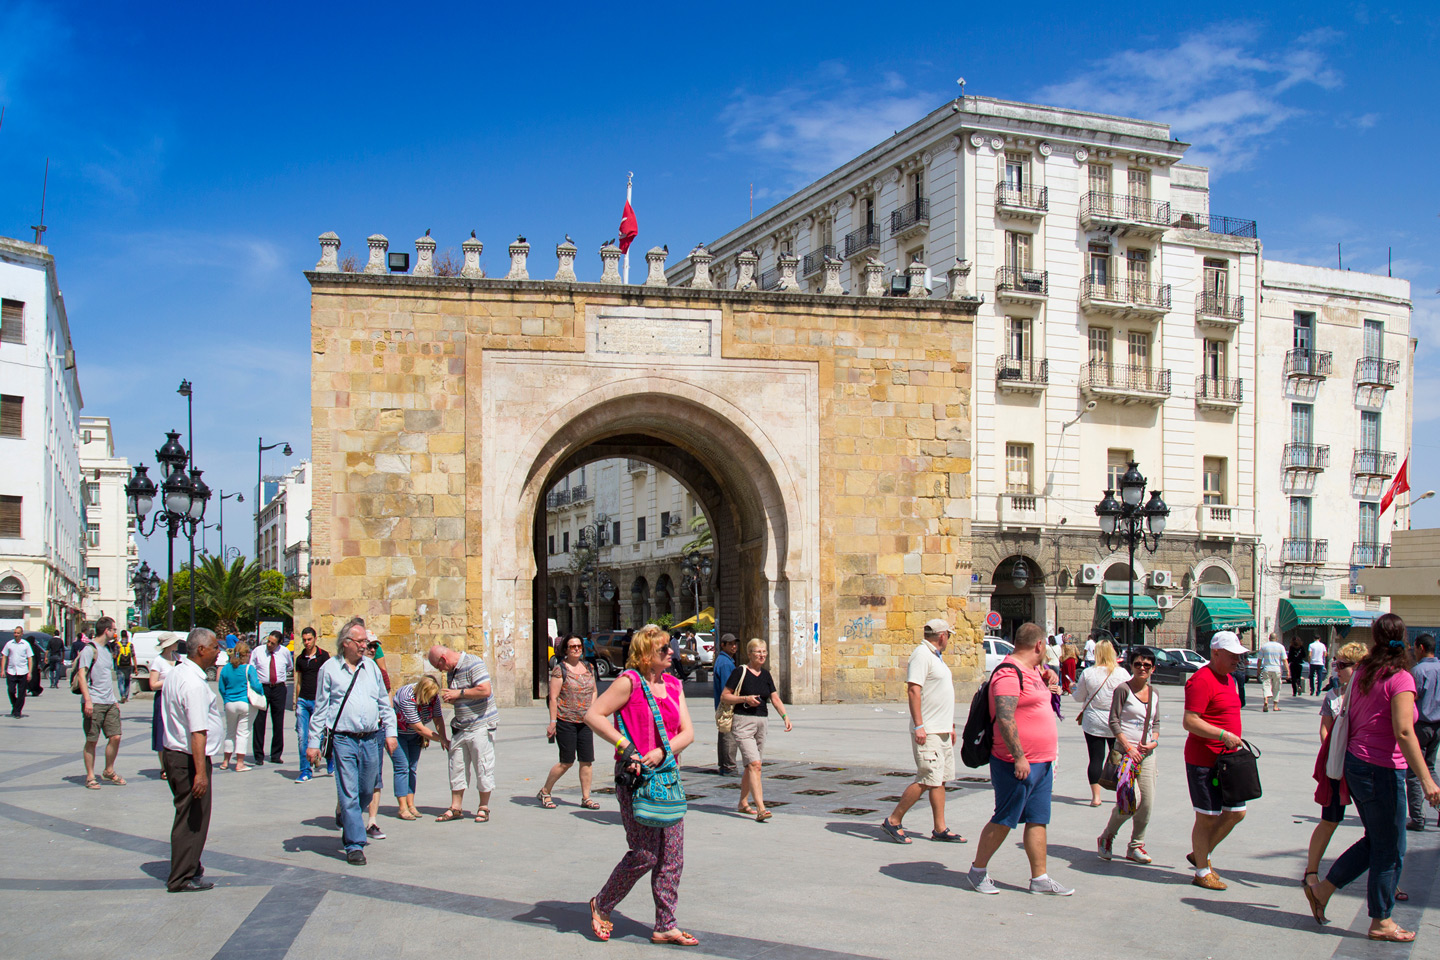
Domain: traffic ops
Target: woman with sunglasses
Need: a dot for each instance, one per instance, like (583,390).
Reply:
(1135,724)
(1332,795)
(572,690)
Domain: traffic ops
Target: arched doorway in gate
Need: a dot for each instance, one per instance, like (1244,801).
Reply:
(1019,593)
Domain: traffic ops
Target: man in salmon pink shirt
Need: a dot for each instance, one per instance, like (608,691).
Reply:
(1212,720)
(1022,761)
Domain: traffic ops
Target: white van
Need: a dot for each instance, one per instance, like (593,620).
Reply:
(147,648)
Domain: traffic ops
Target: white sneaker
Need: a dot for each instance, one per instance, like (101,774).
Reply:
(1050,885)
(984,884)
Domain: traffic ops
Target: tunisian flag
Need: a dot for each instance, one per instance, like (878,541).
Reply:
(1400,485)
(629,228)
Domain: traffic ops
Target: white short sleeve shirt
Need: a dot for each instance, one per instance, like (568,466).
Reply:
(188,705)
(937,688)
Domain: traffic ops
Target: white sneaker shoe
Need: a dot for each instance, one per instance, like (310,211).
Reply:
(1050,885)
(983,884)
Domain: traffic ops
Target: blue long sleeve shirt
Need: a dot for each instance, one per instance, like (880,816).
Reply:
(368,709)
(724,669)
(1427,689)
(234,679)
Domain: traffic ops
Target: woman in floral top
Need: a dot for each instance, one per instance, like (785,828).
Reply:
(572,690)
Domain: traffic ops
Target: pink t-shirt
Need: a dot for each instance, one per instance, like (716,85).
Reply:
(640,722)
(1034,717)
(1372,734)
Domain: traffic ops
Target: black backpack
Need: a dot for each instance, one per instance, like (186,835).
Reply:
(979,736)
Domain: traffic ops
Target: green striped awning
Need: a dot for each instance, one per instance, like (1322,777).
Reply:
(1221,613)
(1313,613)
(1115,607)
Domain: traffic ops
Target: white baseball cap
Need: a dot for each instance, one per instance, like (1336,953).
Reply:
(1227,641)
(937,626)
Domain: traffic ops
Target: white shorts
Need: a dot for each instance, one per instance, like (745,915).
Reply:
(472,759)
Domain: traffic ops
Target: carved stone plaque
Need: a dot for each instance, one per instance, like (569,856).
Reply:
(653,336)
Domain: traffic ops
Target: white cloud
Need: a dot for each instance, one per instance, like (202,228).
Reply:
(1213,88)
(811,128)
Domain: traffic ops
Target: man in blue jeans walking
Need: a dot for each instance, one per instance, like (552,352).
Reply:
(307,670)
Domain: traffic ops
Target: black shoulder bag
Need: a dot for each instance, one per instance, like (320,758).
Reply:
(1237,773)
(327,739)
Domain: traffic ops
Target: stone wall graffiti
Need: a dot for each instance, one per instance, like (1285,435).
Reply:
(861,628)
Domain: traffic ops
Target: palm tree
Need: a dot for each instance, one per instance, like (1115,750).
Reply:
(703,541)
(229,592)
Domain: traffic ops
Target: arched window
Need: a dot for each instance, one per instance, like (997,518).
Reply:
(12,589)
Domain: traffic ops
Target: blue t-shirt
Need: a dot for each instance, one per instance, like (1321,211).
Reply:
(1427,687)
(724,668)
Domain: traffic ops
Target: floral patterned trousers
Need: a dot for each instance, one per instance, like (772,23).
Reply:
(651,849)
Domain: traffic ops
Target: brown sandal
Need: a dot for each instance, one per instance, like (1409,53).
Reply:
(681,939)
(448,815)
(1398,935)
(598,924)
(482,815)
(1317,909)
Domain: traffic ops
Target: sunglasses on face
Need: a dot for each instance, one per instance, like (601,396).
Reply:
(1343,665)
(1144,665)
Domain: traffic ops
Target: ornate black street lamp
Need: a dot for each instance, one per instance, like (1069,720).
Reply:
(1126,521)
(592,537)
(146,583)
(697,572)
(182,509)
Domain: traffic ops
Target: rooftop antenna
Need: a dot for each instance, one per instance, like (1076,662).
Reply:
(752,201)
(1389,261)
(961,81)
(1339,260)
(45,187)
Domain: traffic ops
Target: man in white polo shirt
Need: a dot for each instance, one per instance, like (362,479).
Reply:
(191,738)
(931,690)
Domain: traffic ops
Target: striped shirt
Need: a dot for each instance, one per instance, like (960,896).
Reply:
(471,712)
(412,714)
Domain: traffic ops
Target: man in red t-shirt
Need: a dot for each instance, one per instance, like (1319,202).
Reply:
(1212,720)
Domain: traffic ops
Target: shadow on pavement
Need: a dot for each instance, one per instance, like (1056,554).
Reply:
(327,822)
(606,817)
(939,875)
(860,830)
(1269,915)
(327,846)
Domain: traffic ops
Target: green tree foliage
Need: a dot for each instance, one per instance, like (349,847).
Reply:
(703,542)
(226,596)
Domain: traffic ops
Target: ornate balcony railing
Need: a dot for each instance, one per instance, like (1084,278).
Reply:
(1308,364)
(1122,208)
(1226,390)
(636,466)
(816,259)
(1369,554)
(1377,372)
(913,214)
(1373,463)
(858,241)
(1212,305)
(1015,280)
(1297,550)
(1305,456)
(1026,199)
(1143,294)
(1022,370)
(1120,378)
(1214,223)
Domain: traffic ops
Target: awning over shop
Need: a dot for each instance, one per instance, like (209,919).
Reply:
(1112,607)
(1365,618)
(1221,613)
(1313,613)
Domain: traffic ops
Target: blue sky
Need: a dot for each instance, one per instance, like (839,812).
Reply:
(196,153)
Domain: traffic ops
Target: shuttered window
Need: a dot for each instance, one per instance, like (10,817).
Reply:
(1018,472)
(10,517)
(12,416)
(12,321)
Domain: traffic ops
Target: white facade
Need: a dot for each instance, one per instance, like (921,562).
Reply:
(110,548)
(1334,427)
(285,527)
(41,554)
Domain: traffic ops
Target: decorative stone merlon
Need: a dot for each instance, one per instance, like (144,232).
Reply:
(424,256)
(329,253)
(700,260)
(959,276)
(610,261)
(832,277)
(565,253)
(655,259)
(874,278)
(788,263)
(519,254)
(746,262)
(473,249)
(916,272)
(379,246)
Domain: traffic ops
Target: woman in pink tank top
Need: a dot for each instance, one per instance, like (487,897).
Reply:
(651,848)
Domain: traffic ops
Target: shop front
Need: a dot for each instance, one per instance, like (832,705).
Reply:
(1312,619)
(1209,615)
(1127,624)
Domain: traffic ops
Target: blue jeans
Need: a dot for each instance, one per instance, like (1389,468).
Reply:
(303,711)
(1379,797)
(357,762)
(406,761)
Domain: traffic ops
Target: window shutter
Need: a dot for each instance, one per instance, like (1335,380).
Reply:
(12,416)
(12,321)
(10,517)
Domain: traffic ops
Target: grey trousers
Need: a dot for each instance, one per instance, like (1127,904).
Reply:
(725,750)
(1429,736)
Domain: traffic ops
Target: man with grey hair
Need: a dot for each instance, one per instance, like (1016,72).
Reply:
(190,739)
(930,690)
(353,713)
(472,728)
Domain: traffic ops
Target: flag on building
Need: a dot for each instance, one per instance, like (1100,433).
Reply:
(1400,485)
(629,228)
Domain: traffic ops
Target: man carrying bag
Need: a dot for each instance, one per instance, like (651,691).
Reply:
(1212,720)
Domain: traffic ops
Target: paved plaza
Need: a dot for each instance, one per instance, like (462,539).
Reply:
(83,870)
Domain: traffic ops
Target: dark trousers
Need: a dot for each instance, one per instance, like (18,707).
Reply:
(192,816)
(276,695)
(1098,749)
(1240,679)
(1428,735)
(16,687)
(1379,797)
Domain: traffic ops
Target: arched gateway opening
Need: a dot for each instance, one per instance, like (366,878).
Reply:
(720,459)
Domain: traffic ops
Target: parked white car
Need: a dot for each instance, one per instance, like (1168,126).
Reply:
(995,651)
(1188,655)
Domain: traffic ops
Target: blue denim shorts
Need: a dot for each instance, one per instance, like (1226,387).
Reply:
(1021,801)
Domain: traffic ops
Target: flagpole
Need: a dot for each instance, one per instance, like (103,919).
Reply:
(629,182)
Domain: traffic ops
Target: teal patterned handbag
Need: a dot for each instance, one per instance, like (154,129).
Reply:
(659,801)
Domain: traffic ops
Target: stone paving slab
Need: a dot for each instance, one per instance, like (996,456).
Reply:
(819,882)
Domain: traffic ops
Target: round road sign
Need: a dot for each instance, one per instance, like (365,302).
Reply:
(993,620)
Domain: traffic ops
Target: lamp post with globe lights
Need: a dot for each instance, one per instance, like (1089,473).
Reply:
(182,508)
(592,537)
(697,573)
(146,583)
(1130,522)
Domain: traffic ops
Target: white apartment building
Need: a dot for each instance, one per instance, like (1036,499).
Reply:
(42,561)
(285,526)
(1116,319)
(111,552)
(1333,430)
(640,571)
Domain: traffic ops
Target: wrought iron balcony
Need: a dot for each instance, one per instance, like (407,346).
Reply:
(1012,283)
(859,241)
(1311,457)
(1022,374)
(1214,223)
(556,498)
(1308,364)
(1027,203)
(1377,372)
(1221,393)
(1373,463)
(1124,213)
(814,261)
(1365,553)
(636,466)
(1125,384)
(1301,551)
(1125,298)
(910,219)
(770,279)
(578,493)
(1213,310)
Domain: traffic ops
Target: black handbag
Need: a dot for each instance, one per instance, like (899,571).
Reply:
(326,744)
(1237,773)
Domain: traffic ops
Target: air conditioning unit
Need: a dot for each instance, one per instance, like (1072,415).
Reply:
(1089,574)
(1165,601)
(1160,578)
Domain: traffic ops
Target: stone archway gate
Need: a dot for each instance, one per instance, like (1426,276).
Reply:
(834,430)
